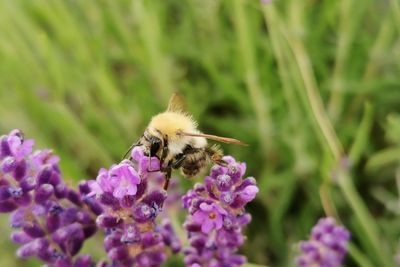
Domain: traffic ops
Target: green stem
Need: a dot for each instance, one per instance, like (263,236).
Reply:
(361,138)
(313,96)
(363,216)
(259,102)
(359,257)
(396,12)
(345,38)
(149,28)
(327,131)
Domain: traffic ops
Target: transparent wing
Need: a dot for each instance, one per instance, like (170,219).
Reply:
(176,103)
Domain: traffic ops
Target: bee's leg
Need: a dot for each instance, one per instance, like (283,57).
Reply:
(162,159)
(167,178)
(215,154)
(179,159)
(164,153)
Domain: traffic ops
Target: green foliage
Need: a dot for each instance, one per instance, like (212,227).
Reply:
(308,84)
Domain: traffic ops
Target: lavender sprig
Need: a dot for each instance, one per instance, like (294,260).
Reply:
(217,216)
(132,200)
(326,247)
(50,220)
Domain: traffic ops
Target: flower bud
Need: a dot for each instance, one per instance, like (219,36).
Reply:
(74,197)
(84,188)
(20,237)
(4,193)
(107,221)
(52,222)
(4,147)
(44,175)
(118,254)
(83,261)
(32,248)
(28,184)
(34,230)
(20,170)
(7,206)
(8,164)
(63,234)
(112,241)
(60,191)
(43,193)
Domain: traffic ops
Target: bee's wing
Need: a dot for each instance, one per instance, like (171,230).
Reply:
(176,103)
(216,138)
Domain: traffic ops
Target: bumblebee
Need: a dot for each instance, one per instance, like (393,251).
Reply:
(172,136)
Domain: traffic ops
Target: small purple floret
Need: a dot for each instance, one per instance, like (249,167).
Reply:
(209,217)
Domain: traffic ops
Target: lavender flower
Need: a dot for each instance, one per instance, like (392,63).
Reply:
(217,216)
(209,216)
(132,200)
(121,180)
(169,236)
(48,217)
(326,247)
(52,221)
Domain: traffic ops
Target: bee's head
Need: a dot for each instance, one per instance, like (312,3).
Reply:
(155,145)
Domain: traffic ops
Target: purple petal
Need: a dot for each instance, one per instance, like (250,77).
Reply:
(206,207)
(207,226)
(249,193)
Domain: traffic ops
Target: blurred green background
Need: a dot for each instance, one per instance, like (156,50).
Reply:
(313,86)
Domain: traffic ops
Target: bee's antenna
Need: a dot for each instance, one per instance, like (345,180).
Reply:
(129,150)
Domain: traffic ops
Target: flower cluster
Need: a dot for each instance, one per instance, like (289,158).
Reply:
(326,247)
(132,200)
(217,216)
(51,221)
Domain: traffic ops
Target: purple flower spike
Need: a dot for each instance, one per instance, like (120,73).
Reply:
(130,205)
(217,216)
(327,245)
(169,236)
(47,225)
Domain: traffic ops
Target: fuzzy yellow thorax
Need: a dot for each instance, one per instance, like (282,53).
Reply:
(170,123)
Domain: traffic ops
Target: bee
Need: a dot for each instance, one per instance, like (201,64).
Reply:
(172,136)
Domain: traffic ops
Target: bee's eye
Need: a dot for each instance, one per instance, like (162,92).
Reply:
(155,146)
